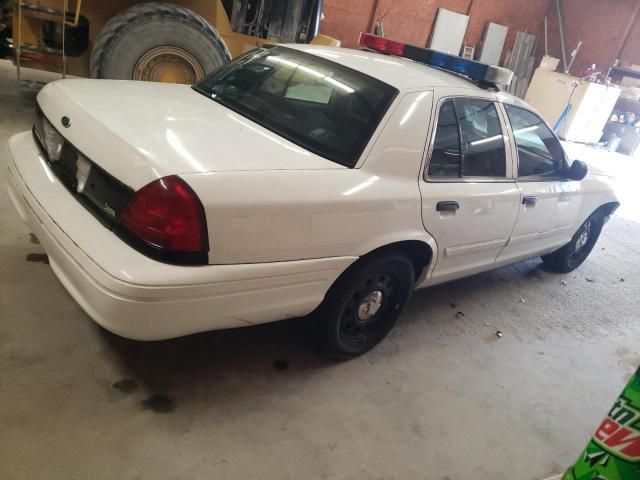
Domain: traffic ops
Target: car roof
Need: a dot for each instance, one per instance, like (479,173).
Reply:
(398,72)
(506,97)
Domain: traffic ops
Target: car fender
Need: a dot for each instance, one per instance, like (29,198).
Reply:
(597,190)
(280,215)
(268,216)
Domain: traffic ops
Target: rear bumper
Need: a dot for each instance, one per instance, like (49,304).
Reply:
(139,298)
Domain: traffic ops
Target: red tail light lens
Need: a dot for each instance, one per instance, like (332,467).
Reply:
(381,44)
(167,217)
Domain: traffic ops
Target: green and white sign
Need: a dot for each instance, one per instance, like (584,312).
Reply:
(614,451)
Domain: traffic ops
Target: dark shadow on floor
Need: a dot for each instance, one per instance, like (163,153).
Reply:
(275,356)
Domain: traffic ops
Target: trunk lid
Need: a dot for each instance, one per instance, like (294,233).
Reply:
(140,131)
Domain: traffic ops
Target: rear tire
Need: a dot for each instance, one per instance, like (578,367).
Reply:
(573,254)
(364,304)
(157,42)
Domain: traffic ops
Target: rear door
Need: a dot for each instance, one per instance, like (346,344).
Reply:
(470,199)
(550,202)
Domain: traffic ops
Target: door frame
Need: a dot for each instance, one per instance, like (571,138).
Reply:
(520,182)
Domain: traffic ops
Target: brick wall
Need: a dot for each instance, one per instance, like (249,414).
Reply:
(600,24)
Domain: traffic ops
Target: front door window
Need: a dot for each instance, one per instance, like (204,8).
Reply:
(540,155)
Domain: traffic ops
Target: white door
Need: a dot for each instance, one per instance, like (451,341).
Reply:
(550,202)
(470,200)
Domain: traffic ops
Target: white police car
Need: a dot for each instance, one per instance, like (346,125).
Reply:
(295,179)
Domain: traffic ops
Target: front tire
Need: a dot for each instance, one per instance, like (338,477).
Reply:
(573,254)
(158,42)
(364,304)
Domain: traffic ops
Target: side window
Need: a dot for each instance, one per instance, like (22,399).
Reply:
(483,150)
(539,151)
(445,157)
(468,141)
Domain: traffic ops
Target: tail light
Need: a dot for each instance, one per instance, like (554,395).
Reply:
(165,220)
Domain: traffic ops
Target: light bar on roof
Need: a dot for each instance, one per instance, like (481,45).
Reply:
(479,72)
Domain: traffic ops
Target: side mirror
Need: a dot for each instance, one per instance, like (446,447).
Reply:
(578,170)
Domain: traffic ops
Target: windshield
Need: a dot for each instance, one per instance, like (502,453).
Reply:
(324,107)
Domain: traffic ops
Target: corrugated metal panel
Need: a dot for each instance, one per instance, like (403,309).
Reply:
(520,61)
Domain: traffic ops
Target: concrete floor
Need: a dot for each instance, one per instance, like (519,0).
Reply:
(442,398)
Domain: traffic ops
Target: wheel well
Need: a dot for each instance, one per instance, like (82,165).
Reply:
(418,252)
(608,208)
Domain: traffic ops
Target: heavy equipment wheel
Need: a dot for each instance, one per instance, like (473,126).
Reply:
(157,42)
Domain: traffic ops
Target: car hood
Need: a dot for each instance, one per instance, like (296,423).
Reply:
(140,131)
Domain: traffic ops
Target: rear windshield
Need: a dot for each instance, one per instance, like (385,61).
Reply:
(324,107)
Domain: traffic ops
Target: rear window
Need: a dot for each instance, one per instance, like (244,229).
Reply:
(324,107)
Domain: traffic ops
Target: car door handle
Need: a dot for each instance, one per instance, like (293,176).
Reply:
(529,200)
(448,206)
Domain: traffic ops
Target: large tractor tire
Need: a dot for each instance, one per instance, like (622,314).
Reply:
(157,42)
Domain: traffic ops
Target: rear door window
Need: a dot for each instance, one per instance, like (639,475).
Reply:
(445,157)
(483,148)
(468,141)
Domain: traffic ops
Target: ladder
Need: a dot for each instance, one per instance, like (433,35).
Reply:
(28,9)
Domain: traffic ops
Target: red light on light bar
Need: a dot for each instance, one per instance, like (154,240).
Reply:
(381,44)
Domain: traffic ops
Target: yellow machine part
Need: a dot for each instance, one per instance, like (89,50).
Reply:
(325,40)
(27,29)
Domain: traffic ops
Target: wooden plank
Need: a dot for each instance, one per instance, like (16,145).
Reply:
(507,59)
(530,67)
(523,55)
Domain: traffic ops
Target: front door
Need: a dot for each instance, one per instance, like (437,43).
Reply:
(550,202)
(470,200)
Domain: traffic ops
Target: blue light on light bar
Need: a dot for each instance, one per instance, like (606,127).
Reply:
(480,72)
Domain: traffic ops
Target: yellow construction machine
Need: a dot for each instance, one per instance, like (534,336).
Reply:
(178,41)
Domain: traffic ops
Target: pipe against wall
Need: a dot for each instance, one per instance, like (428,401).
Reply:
(627,31)
(574,54)
(470,7)
(560,24)
(374,15)
(546,37)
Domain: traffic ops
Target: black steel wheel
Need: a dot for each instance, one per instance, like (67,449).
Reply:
(573,254)
(363,305)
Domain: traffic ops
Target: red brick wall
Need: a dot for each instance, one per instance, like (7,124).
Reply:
(631,53)
(519,15)
(345,19)
(412,20)
(600,24)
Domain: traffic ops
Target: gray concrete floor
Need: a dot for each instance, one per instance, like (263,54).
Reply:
(441,398)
